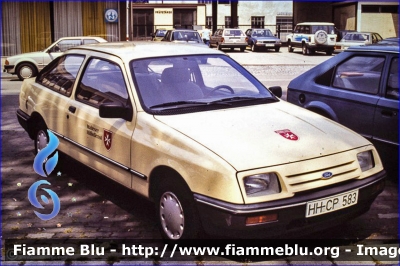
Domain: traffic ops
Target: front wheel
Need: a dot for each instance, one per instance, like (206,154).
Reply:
(26,70)
(253,47)
(176,212)
(41,138)
(277,49)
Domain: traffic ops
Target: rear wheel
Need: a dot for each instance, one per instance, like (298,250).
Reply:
(305,49)
(26,70)
(219,46)
(329,52)
(290,48)
(176,211)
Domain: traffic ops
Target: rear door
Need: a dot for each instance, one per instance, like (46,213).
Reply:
(386,121)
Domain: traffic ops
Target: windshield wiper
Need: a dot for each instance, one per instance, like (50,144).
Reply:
(243,98)
(178,104)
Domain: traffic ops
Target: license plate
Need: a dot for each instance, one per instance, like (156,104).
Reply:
(331,204)
(269,45)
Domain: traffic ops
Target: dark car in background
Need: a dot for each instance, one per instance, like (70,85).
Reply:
(359,89)
(262,39)
(182,36)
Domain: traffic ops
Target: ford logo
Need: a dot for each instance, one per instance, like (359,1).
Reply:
(327,175)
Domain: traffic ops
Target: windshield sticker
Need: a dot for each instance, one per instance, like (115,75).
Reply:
(287,134)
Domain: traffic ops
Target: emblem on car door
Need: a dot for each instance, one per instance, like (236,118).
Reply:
(107,139)
(287,134)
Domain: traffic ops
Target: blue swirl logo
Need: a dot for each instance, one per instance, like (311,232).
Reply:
(44,165)
(32,198)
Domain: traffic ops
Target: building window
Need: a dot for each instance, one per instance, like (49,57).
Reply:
(284,23)
(209,22)
(257,22)
(224,2)
(205,1)
(379,9)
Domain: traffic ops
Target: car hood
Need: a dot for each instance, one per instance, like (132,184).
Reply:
(255,136)
(31,55)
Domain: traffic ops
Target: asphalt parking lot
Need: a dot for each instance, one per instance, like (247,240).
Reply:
(94,207)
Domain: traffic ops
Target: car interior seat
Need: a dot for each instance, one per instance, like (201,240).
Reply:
(177,85)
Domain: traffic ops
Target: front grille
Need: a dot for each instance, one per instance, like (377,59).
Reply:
(312,178)
(266,41)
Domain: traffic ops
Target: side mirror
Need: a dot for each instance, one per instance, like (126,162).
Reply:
(276,90)
(115,110)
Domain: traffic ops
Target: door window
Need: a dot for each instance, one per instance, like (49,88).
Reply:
(392,88)
(102,82)
(360,73)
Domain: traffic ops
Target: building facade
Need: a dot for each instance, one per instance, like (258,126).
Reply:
(31,26)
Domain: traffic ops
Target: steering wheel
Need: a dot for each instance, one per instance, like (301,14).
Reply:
(222,87)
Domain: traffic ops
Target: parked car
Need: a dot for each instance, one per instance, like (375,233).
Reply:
(341,33)
(182,36)
(312,36)
(391,40)
(28,65)
(358,88)
(158,35)
(229,38)
(192,130)
(262,39)
(357,38)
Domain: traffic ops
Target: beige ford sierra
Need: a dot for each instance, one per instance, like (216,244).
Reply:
(193,131)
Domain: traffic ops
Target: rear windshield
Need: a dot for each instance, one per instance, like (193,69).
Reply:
(327,28)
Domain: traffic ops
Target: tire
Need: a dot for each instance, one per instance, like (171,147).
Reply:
(277,49)
(242,49)
(290,48)
(219,46)
(253,48)
(305,49)
(329,52)
(320,37)
(41,137)
(176,211)
(26,70)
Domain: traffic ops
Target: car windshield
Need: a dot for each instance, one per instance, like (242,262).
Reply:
(160,33)
(262,33)
(201,81)
(188,36)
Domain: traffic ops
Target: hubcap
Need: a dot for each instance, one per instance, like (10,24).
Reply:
(26,72)
(171,214)
(41,140)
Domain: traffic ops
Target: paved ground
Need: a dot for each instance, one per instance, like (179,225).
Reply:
(92,206)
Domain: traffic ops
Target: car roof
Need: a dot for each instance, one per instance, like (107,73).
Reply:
(392,48)
(316,23)
(144,49)
(83,37)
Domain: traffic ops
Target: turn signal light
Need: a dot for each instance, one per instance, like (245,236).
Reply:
(267,218)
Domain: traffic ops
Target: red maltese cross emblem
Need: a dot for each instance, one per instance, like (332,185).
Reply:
(287,134)
(107,139)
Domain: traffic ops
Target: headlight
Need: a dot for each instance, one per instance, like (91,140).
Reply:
(278,41)
(366,160)
(262,184)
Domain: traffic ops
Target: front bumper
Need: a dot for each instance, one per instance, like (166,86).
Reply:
(226,219)
(233,45)
(9,69)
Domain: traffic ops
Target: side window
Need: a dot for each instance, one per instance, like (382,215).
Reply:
(360,73)
(102,82)
(89,41)
(392,88)
(61,76)
(64,45)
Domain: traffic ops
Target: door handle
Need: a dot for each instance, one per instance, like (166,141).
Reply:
(72,109)
(388,113)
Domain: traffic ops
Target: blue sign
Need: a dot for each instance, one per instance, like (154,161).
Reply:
(111,15)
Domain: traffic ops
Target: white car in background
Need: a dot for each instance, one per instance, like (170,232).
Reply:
(28,65)
(357,38)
